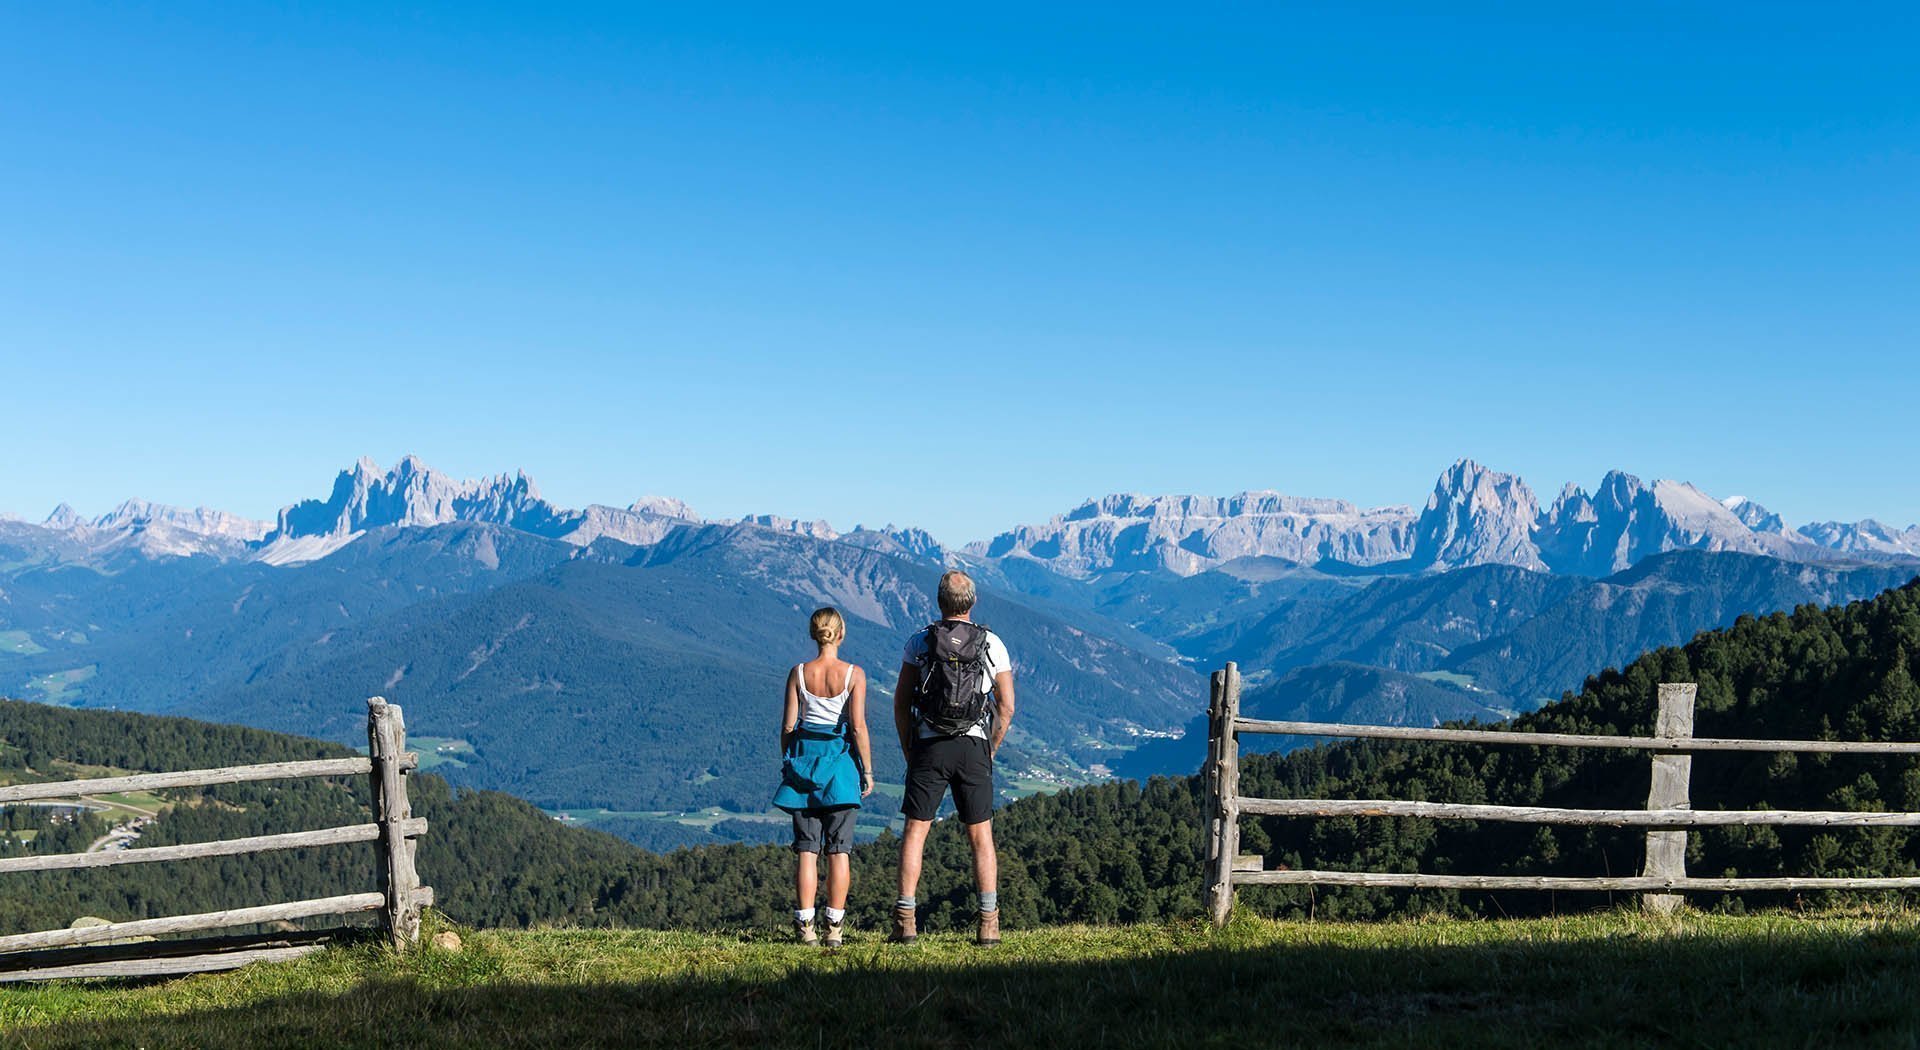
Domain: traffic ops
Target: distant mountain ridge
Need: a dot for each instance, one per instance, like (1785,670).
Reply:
(1475,516)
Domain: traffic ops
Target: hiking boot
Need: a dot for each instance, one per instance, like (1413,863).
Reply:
(989,933)
(836,931)
(905,930)
(803,932)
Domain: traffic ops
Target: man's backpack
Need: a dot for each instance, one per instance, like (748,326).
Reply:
(950,700)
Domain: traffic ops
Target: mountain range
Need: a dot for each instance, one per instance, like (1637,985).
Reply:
(1474,516)
(619,658)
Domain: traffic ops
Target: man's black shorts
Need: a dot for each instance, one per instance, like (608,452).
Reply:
(962,763)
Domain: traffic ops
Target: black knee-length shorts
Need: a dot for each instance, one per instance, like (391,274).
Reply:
(962,763)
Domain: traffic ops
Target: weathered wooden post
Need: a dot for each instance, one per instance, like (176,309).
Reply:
(387,745)
(1672,773)
(1210,783)
(1223,842)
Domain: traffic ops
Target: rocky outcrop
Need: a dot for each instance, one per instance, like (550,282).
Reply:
(1477,516)
(1189,534)
(909,543)
(1626,520)
(138,528)
(1863,537)
(1756,517)
(413,494)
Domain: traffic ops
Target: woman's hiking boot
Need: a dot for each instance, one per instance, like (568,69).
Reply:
(803,932)
(836,932)
(905,929)
(989,928)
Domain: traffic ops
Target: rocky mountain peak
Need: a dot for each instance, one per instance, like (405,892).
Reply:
(64,517)
(1754,516)
(664,507)
(1627,519)
(1477,516)
(818,529)
(916,544)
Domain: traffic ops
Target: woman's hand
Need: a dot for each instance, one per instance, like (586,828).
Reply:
(866,784)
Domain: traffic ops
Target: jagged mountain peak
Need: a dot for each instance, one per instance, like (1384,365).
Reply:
(64,517)
(1866,536)
(916,544)
(1477,516)
(1754,516)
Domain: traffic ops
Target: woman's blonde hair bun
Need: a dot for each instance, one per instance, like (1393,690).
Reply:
(826,626)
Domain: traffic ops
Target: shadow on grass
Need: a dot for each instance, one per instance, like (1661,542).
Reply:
(1760,990)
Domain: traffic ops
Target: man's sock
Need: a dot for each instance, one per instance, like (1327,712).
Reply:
(803,914)
(989,901)
(905,902)
(834,915)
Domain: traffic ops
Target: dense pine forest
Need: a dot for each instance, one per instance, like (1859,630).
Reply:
(1114,852)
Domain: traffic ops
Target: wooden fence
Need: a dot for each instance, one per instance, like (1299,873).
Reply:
(126,949)
(1668,814)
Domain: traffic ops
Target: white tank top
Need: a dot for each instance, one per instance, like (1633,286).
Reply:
(824,709)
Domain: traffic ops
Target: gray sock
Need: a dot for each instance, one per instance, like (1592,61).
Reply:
(905,902)
(989,901)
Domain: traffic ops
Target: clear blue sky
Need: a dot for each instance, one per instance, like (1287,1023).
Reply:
(959,269)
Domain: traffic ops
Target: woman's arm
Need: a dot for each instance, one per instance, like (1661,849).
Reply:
(790,714)
(857,721)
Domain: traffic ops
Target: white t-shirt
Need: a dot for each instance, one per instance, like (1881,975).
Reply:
(998,659)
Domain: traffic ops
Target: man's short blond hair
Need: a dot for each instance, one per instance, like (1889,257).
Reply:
(957,593)
(827,626)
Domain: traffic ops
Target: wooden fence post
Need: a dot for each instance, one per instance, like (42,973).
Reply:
(386,743)
(1667,850)
(1210,785)
(1224,787)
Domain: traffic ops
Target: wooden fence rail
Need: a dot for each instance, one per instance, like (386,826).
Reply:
(120,949)
(1668,814)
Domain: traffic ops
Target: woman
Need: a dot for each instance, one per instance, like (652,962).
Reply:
(823,780)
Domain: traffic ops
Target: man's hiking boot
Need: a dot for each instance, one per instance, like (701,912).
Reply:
(803,932)
(905,930)
(836,932)
(989,928)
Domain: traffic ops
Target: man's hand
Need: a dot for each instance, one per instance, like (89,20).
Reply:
(866,784)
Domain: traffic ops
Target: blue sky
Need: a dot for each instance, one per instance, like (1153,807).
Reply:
(959,269)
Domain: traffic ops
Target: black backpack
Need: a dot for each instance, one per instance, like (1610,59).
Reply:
(950,701)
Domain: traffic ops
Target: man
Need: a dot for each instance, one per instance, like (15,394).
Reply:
(952,707)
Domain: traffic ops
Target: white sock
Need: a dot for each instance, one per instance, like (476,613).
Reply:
(803,914)
(834,915)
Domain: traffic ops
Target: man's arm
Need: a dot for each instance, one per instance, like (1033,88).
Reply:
(1003,708)
(903,705)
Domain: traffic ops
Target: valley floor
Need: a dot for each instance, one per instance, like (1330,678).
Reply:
(1604,980)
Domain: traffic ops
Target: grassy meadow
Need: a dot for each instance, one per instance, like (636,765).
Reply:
(1618,979)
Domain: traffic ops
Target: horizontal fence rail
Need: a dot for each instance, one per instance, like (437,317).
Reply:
(121,949)
(1649,818)
(1668,812)
(319,767)
(1624,743)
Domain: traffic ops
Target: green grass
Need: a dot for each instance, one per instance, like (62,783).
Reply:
(19,643)
(1604,980)
(1464,681)
(437,751)
(53,688)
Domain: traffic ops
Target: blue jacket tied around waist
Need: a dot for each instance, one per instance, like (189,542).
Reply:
(819,772)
